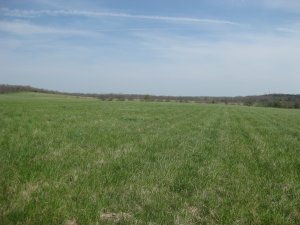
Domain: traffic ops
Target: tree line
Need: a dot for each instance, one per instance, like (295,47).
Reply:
(269,100)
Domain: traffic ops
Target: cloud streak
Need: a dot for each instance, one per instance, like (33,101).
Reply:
(25,28)
(97,14)
(287,30)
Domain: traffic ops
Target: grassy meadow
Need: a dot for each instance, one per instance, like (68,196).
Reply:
(69,160)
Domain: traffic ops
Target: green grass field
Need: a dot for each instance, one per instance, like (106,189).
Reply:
(68,160)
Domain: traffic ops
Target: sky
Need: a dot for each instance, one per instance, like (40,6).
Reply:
(159,47)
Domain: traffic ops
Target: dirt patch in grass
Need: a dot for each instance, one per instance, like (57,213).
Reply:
(70,222)
(115,217)
(29,189)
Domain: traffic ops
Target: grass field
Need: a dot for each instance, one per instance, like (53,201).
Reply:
(67,160)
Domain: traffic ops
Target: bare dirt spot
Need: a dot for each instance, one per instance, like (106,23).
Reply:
(115,217)
(29,189)
(70,222)
(99,162)
(194,211)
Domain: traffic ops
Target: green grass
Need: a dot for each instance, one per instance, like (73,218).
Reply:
(67,160)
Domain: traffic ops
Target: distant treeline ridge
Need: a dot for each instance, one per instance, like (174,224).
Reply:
(269,100)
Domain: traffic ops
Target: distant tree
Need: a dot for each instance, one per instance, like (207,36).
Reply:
(248,103)
(277,103)
(146,97)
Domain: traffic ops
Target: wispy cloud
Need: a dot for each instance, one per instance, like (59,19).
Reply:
(26,28)
(287,30)
(36,13)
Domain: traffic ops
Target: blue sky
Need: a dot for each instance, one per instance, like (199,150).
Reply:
(163,47)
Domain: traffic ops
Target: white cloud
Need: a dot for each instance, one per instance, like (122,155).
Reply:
(291,28)
(26,28)
(287,30)
(35,13)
